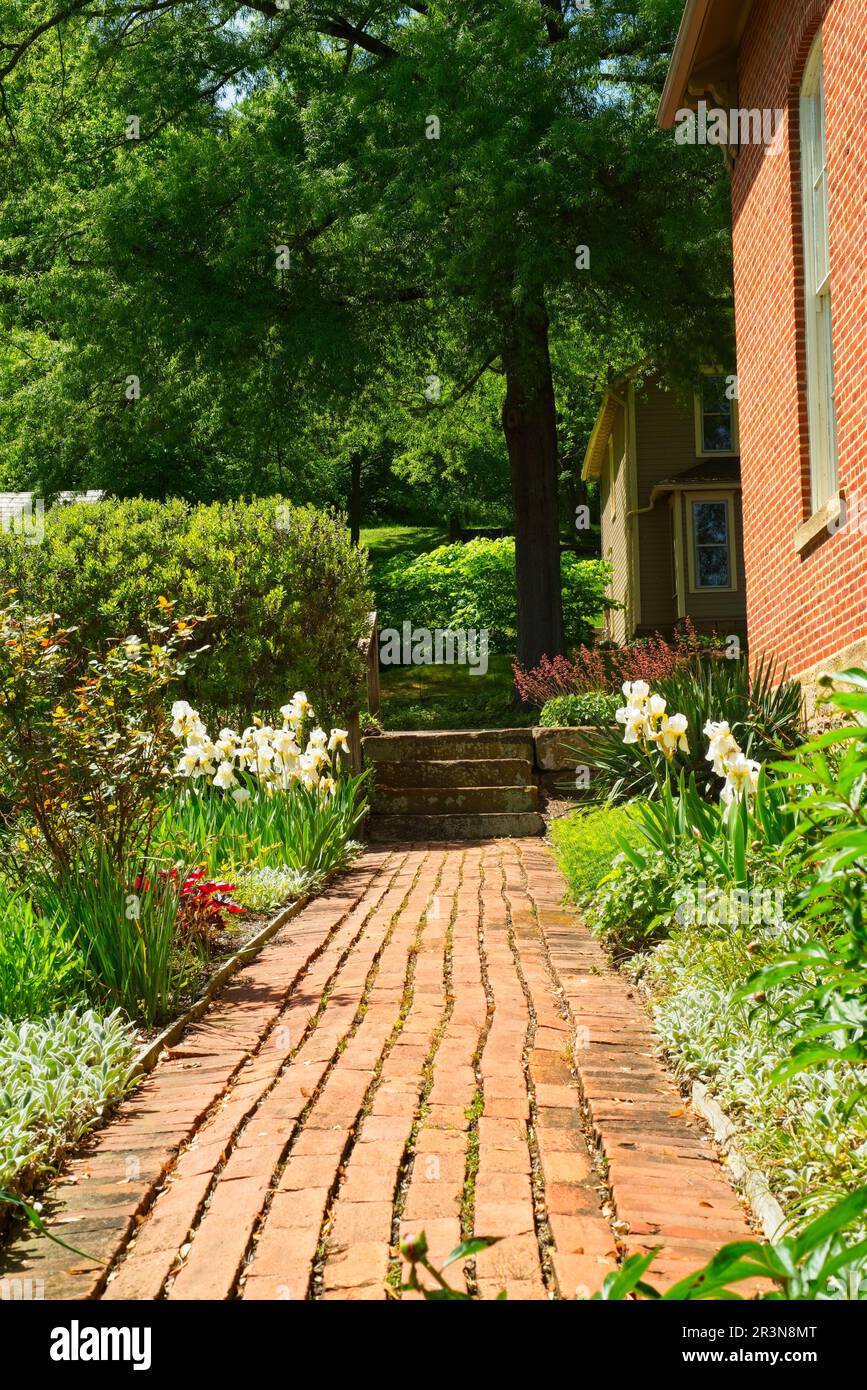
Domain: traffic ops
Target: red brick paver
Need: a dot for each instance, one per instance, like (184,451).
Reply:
(435,1043)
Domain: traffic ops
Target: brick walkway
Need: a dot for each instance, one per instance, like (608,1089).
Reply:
(434,1043)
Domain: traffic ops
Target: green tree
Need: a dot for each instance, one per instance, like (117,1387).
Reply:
(341,222)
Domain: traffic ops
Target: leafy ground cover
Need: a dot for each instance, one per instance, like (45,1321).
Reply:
(59,1073)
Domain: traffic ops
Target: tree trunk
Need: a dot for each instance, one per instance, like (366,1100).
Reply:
(530,427)
(355,500)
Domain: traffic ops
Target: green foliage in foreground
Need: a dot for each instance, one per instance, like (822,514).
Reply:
(472,585)
(58,1074)
(288,592)
(595,708)
(817,1264)
(829,972)
(751,922)
(125,930)
(40,967)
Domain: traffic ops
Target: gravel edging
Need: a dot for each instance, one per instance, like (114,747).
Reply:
(766,1210)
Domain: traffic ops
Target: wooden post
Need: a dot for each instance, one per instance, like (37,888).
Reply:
(373,690)
(354,731)
(369,648)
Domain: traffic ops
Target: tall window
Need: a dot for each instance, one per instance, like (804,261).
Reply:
(817,274)
(716,417)
(711,559)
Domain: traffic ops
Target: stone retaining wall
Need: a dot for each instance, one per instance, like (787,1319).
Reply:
(556,759)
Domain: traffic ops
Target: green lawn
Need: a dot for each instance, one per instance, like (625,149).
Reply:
(439,697)
(449,697)
(384,542)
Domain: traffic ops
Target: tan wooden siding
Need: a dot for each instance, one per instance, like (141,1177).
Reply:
(666,447)
(615,531)
(658,593)
(665,430)
(705,605)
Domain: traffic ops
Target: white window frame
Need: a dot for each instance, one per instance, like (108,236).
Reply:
(700,451)
(694,586)
(821,406)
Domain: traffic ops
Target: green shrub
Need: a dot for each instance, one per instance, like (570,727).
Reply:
(573,711)
(288,591)
(586,845)
(472,585)
(84,740)
(58,1074)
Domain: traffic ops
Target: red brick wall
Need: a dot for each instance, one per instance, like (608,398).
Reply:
(802,608)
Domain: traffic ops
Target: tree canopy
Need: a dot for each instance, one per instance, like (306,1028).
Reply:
(239,242)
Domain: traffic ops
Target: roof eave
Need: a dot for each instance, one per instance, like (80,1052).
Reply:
(592,466)
(704,60)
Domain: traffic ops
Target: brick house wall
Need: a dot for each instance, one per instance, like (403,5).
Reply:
(809,609)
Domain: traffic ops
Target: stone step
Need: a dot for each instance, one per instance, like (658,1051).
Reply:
(474,744)
(456,772)
(501,826)
(401,801)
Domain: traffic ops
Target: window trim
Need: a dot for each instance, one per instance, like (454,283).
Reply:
(700,450)
(818,298)
(717,496)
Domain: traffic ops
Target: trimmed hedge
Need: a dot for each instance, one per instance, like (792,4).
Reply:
(472,585)
(289,593)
